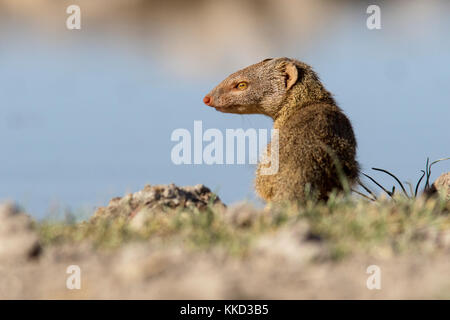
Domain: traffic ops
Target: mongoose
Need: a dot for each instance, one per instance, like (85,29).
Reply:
(317,146)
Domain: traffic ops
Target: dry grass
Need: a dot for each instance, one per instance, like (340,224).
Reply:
(346,225)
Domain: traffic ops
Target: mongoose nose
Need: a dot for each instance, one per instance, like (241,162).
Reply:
(207,100)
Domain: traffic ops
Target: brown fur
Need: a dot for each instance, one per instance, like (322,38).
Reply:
(315,137)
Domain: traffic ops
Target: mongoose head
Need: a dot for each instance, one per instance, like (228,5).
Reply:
(267,87)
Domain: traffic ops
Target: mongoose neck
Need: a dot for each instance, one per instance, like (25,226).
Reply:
(295,102)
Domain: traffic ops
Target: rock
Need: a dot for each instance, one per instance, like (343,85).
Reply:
(441,185)
(18,241)
(159,197)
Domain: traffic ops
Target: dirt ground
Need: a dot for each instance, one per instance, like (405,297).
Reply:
(239,252)
(144,272)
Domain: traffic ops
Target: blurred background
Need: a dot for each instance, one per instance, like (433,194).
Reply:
(86,115)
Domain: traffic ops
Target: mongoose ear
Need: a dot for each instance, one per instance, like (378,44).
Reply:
(291,75)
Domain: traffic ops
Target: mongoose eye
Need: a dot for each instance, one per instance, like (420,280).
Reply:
(242,85)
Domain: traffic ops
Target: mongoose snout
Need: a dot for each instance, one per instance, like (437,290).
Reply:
(207,100)
(317,146)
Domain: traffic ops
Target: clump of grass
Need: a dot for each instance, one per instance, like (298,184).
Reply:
(343,224)
(105,233)
(412,193)
(380,226)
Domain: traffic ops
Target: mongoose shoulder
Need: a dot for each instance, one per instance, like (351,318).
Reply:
(317,146)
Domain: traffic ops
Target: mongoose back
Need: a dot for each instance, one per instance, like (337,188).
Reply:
(317,146)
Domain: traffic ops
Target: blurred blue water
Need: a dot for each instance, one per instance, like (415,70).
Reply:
(86,121)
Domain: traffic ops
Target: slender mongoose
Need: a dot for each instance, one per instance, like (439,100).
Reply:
(317,146)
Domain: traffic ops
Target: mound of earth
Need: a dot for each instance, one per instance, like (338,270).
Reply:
(160,197)
(18,241)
